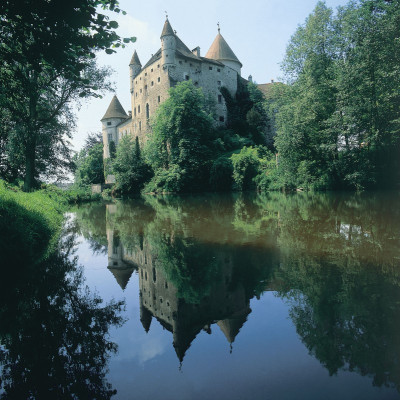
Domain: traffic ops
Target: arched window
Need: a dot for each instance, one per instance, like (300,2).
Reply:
(147,111)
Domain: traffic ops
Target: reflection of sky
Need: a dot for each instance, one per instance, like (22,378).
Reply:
(268,360)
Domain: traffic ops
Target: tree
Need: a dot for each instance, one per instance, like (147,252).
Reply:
(47,51)
(179,148)
(89,166)
(131,172)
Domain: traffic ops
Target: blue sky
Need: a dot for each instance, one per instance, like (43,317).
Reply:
(258,32)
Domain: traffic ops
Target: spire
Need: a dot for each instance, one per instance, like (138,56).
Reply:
(115,110)
(167,29)
(145,317)
(135,60)
(220,50)
(122,275)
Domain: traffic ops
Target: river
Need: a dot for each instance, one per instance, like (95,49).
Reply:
(237,296)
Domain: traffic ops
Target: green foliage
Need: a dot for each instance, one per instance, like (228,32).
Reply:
(245,168)
(112,149)
(131,171)
(29,222)
(179,147)
(221,174)
(89,166)
(47,57)
(338,119)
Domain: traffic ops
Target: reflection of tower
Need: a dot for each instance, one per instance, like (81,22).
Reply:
(121,270)
(227,306)
(226,303)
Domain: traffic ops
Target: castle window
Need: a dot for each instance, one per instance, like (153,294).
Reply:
(136,94)
(220,99)
(145,74)
(166,285)
(145,87)
(152,83)
(218,70)
(152,70)
(158,79)
(140,128)
(109,123)
(140,90)
(210,68)
(109,137)
(187,77)
(140,78)
(180,62)
(159,98)
(221,119)
(134,112)
(138,109)
(136,81)
(158,66)
(196,83)
(154,276)
(147,111)
(219,83)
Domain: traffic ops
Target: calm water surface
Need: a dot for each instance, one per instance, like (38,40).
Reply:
(224,297)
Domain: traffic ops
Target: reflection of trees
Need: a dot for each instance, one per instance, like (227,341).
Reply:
(53,332)
(339,265)
(90,222)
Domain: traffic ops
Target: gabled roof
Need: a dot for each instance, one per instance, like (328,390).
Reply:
(135,60)
(115,110)
(221,51)
(167,29)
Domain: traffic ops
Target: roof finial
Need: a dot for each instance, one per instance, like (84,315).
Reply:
(166,14)
(218,27)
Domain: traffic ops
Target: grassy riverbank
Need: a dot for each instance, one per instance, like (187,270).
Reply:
(30,223)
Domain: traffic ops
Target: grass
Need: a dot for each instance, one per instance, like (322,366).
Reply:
(30,223)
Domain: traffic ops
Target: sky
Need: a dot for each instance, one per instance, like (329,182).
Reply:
(258,32)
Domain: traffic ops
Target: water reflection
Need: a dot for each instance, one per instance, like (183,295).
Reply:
(53,332)
(333,258)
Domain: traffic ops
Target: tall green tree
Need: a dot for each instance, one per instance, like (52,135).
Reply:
(131,171)
(46,52)
(307,148)
(179,147)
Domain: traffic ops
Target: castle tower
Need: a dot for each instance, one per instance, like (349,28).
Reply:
(114,115)
(221,51)
(168,46)
(134,68)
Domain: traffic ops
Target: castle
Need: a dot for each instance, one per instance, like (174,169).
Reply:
(172,63)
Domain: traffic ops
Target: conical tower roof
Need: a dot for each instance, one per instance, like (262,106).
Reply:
(167,29)
(135,59)
(231,327)
(221,51)
(115,110)
(122,276)
(145,317)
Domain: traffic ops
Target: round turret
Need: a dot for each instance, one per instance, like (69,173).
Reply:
(168,46)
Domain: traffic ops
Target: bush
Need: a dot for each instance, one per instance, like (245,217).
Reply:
(221,174)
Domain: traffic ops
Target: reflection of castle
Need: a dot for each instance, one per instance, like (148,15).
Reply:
(226,305)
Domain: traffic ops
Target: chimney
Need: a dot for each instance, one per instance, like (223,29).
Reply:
(272,81)
(196,51)
(250,78)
